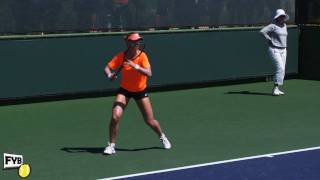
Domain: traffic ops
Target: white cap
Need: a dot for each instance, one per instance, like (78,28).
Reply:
(281,12)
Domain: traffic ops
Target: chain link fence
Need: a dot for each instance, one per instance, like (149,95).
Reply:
(55,16)
(308,11)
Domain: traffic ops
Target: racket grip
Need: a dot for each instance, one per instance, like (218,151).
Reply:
(113,76)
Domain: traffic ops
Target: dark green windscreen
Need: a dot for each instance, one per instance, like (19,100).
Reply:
(34,67)
(309,49)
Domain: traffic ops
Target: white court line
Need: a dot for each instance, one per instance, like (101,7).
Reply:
(214,163)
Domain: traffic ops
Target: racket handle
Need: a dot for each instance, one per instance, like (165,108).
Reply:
(111,76)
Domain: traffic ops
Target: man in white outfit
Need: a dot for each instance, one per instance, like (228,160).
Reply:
(276,33)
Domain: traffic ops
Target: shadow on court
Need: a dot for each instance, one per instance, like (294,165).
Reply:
(99,150)
(249,93)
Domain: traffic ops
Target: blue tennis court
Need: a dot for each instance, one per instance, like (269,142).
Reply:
(290,165)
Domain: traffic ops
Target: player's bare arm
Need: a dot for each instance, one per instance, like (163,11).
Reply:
(145,71)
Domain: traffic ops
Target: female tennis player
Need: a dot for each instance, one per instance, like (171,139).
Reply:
(276,33)
(135,70)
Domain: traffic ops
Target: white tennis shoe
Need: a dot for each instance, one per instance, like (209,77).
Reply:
(276,92)
(165,142)
(110,149)
(281,92)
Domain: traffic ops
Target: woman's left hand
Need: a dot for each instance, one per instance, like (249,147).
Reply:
(129,63)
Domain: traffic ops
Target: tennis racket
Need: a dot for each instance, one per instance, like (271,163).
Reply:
(142,47)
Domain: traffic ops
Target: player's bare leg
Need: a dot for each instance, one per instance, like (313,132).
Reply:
(117,110)
(145,107)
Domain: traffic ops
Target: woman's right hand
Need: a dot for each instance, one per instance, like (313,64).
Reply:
(112,76)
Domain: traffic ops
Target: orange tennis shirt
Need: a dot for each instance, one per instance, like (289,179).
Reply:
(131,79)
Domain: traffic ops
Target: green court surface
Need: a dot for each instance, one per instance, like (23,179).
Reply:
(64,139)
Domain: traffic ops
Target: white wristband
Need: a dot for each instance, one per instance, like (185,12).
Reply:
(136,66)
(109,75)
